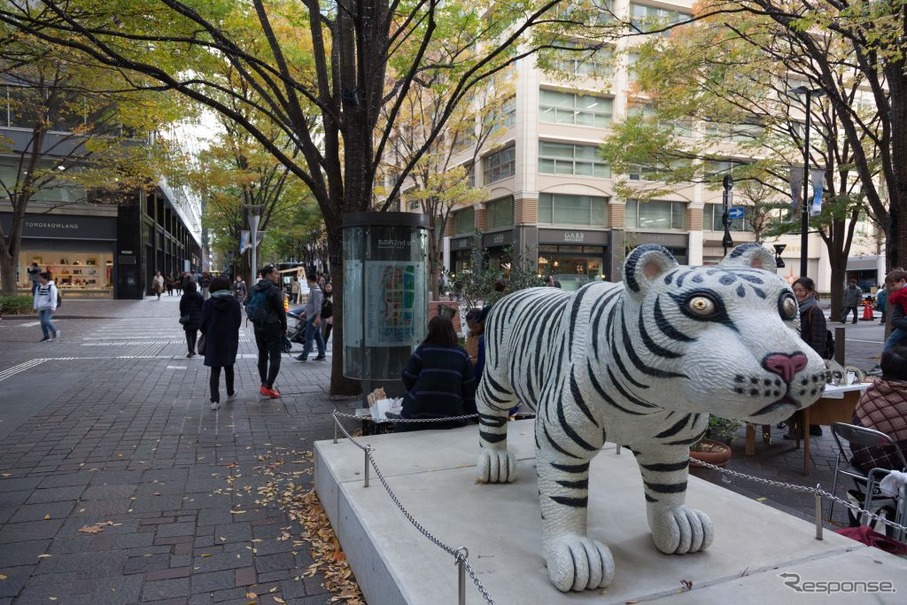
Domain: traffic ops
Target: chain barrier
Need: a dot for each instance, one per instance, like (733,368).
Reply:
(817,491)
(406,420)
(460,555)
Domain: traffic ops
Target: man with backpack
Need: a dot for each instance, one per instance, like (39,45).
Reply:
(264,309)
(45,303)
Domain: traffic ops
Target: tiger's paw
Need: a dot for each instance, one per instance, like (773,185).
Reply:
(496,466)
(680,530)
(579,563)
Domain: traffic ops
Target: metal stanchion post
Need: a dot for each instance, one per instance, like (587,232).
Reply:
(818,512)
(461,574)
(368,451)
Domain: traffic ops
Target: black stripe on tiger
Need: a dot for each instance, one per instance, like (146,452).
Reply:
(674,428)
(689,441)
(607,398)
(578,398)
(601,306)
(665,326)
(626,394)
(572,503)
(651,345)
(574,311)
(557,447)
(637,362)
(579,484)
(492,421)
(492,437)
(568,430)
(666,488)
(615,356)
(571,468)
(666,467)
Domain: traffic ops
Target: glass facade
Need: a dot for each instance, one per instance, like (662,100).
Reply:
(578,110)
(655,215)
(499,213)
(578,160)
(557,208)
(500,165)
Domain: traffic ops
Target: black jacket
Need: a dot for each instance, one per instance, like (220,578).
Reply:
(191,305)
(439,383)
(221,319)
(274,302)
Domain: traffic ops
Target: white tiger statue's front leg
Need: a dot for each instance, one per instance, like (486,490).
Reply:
(676,528)
(575,561)
(493,402)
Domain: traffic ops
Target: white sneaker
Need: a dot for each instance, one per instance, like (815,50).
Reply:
(231,397)
(214,405)
(57,334)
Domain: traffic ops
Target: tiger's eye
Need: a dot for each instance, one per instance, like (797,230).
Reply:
(702,305)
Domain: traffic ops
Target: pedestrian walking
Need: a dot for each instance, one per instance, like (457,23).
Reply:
(170,282)
(34,273)
(221,319)
(265,310)
(157,284)
(327,312)
(45,303)
(313,320)
(852,297)
(896,283)
(191,314)
(239,290)
(295,290)
(204,285)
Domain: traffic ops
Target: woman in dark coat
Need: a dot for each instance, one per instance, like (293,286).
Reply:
(191,308)
(221,319)
(439,380)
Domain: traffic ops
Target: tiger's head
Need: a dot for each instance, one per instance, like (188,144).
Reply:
(722,339)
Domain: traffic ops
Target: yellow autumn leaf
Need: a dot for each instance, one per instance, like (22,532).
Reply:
(251,595)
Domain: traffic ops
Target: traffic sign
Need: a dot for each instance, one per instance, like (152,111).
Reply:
(735,212)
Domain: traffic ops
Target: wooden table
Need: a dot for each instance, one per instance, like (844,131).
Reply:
(836,405)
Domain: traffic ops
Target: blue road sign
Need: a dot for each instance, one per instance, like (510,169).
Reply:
(735,212)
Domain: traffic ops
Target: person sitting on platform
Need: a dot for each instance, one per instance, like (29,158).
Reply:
(883,407)
(439,380)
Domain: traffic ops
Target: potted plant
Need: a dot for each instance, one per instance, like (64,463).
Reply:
(715,447)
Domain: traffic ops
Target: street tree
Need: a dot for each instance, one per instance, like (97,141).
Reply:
(728,81)
(80,136)
(332,75)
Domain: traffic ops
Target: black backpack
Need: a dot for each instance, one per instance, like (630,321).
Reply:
(257,308)
(59,298)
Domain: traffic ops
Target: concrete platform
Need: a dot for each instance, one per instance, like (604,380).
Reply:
(433,474)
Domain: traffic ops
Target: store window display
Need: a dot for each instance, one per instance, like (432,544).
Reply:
(89,273)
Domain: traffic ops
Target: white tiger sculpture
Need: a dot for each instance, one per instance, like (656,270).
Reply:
(640,363)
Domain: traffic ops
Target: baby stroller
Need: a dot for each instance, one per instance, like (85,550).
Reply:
(295,328)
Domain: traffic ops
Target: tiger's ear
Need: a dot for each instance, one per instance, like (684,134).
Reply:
(749,255)
(645,264)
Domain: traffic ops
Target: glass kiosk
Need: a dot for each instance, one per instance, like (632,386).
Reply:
(385,293)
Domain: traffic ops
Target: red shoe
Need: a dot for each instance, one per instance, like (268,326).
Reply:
(265,391)
(272,392)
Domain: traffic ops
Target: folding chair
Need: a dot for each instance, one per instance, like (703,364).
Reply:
(884,452)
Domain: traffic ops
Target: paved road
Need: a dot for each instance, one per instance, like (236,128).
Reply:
(111,423)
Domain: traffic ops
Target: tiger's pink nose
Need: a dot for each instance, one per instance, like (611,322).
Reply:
(785,365)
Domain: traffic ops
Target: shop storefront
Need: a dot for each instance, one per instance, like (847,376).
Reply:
(461,253)
(677,244)
(78,252)
(574,256)
(498,245)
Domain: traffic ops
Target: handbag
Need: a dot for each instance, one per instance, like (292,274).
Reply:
(202,343)
(184,319)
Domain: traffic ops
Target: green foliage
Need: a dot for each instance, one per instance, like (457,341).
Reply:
(482,282)
(15,305)
(722,429)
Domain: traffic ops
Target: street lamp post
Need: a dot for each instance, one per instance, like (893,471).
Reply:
(728,184)
(804,206)
(254,219)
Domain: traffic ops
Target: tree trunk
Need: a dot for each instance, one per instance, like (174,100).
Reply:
(8,266)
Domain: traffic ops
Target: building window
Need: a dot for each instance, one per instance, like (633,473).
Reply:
(650,18)
(562,209)
(578,160)
(499,214)
(586,63)
(500,165)
(712,214)
(578,110)
(502,118)
(464,220)
(655,215)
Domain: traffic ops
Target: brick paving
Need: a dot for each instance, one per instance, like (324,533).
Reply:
(110,423)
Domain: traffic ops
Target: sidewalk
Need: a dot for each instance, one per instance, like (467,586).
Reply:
(110,423)
(119,485)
